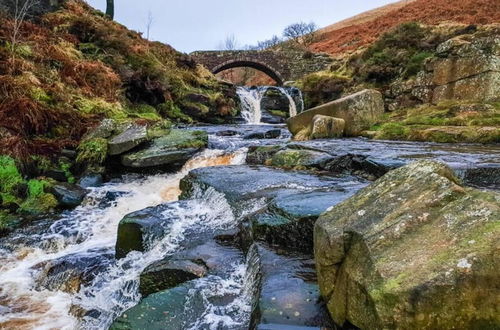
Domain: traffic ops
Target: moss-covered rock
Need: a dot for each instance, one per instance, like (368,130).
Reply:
(299,158)
(170,151)
(413,250)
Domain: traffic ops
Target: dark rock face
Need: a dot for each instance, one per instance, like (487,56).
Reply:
(166,274)
(264,134)
(289,220)
(68,195)
(136,228)
(70,272)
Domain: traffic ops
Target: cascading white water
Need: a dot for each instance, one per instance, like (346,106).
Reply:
(90,227)
(251,97)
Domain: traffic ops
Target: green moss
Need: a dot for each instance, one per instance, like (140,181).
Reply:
(38,200)
(66,167)
(393,131)
(97,106)
(416,63)
(172,111)
(92,152)
(9,174)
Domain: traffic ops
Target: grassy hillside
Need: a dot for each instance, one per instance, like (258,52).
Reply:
(71,68)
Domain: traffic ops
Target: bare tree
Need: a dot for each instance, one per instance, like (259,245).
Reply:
(110,8)
(149,23)
(269,43)
(230,43)
(301,33)
(21,10)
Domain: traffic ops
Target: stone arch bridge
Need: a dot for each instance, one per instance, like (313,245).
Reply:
(281,66)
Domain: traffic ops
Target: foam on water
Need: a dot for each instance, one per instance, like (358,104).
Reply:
(90,227)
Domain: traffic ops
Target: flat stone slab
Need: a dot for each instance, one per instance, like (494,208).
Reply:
(127,140)
(171,150)
(242,182)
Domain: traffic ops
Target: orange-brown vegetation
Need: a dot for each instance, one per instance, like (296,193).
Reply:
(362,32)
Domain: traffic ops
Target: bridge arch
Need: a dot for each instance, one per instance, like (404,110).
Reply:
(251,63)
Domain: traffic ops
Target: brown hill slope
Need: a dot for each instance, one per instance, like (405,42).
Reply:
(349,37)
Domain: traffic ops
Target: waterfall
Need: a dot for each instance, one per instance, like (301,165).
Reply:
(250,103)
(92,227)
(251,98)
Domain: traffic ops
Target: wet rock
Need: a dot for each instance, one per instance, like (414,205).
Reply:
(265,134)
(227,133)
(259,155)
(68,195)
(413,250)
(139,228)
(290,158)
(488,177)
(273,116)
(90,180)
(70,154)
(242,183)
(288,294)
(168,152)
(110,198)
(327,127)
(127,140)
(70,272)
(357,165)
(289,220)
(359,111)
(168,273)
(157,311)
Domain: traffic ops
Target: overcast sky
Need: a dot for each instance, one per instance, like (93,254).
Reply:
(190,25)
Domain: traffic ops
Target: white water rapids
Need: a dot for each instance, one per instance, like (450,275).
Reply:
(251,98)
(89,227)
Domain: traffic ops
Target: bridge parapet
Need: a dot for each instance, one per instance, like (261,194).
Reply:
(280,65)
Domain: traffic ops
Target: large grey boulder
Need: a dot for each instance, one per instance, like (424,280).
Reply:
(415,250)
(359,111)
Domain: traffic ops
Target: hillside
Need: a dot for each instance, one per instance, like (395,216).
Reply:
(351,34)
(67,70)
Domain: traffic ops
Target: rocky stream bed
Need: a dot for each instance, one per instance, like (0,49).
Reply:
(228,241)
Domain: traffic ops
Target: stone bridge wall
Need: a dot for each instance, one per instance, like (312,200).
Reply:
(280,65)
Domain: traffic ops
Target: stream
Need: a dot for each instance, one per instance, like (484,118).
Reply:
(84,238)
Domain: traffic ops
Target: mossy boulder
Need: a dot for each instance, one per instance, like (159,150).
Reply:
(415,250)
(168,152)
(290,158)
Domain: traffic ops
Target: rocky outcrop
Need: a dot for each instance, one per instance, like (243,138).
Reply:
(415,250)
(464,68)
(359,111)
